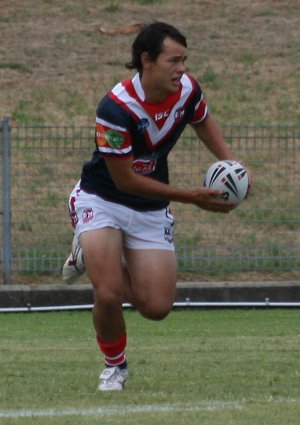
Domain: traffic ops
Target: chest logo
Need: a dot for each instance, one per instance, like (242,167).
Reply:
(161,115)
(145,166)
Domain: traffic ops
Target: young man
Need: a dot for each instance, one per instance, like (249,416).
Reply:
(119,208)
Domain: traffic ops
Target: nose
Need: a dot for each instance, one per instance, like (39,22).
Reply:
(181,67)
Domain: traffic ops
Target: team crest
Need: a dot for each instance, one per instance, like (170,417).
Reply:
(143,124)
(87,215)
(179,114)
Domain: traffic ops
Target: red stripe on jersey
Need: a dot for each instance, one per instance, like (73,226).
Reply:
(163,116)
(159,112)
(131,111)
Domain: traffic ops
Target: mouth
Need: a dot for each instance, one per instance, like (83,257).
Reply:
(176,80)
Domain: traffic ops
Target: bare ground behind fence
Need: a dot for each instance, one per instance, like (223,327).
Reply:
(260,236)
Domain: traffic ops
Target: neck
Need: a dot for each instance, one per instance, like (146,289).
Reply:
(152,93)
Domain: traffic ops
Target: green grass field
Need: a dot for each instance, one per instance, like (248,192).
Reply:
(229,367)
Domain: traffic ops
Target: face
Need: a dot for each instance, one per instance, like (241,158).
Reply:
(162,76)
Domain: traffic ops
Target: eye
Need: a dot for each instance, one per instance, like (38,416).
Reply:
(176,60)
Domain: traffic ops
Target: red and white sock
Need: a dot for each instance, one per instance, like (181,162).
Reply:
(114,352)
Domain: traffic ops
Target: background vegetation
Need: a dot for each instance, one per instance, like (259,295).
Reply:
(57,59)
(55,63)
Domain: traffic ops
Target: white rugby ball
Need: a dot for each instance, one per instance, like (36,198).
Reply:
(230,177)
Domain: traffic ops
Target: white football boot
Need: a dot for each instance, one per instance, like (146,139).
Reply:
(113,379)
(74,266)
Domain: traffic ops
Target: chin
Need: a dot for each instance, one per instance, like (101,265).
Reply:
(174,88)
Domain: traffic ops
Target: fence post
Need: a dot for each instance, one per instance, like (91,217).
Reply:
(6,199)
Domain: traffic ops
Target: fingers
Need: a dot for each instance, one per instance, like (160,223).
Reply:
(217,204)
(222,207)
(212,200)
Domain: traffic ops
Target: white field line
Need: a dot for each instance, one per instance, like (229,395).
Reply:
(119,410)
(146,408)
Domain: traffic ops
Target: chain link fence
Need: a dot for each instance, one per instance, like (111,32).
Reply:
(40,165)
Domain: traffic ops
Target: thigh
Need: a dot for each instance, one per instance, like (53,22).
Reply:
(102,253)
(153,279)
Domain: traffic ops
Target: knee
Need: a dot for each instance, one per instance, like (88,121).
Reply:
(154,311)
(107,299)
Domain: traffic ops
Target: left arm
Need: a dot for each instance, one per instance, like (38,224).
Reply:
(211,135)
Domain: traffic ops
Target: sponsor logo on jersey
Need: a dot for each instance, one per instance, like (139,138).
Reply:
(161,115)
(144,166)
(114,138)
(100,135)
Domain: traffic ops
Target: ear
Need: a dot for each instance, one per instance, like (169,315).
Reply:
(145,59)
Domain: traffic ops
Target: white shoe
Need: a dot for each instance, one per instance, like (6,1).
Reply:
(112,379)
(74,266)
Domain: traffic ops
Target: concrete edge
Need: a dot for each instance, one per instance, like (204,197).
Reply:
(81,294)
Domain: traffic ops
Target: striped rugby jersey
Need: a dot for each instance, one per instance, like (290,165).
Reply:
(126,125)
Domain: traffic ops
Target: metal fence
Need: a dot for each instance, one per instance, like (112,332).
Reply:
(40,166)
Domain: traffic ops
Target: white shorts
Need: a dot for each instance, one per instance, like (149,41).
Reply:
(141,229)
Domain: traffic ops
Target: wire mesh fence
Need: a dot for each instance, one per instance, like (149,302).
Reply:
(260,235)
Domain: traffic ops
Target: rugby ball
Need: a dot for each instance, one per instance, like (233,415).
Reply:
(230,177)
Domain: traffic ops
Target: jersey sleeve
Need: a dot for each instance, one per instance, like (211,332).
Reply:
(112,137)
(200,108)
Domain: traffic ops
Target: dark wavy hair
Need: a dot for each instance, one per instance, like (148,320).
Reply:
(150,39)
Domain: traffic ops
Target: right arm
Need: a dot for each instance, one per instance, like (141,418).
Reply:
(128,181)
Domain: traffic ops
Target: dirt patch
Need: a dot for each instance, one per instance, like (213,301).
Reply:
(55,64)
